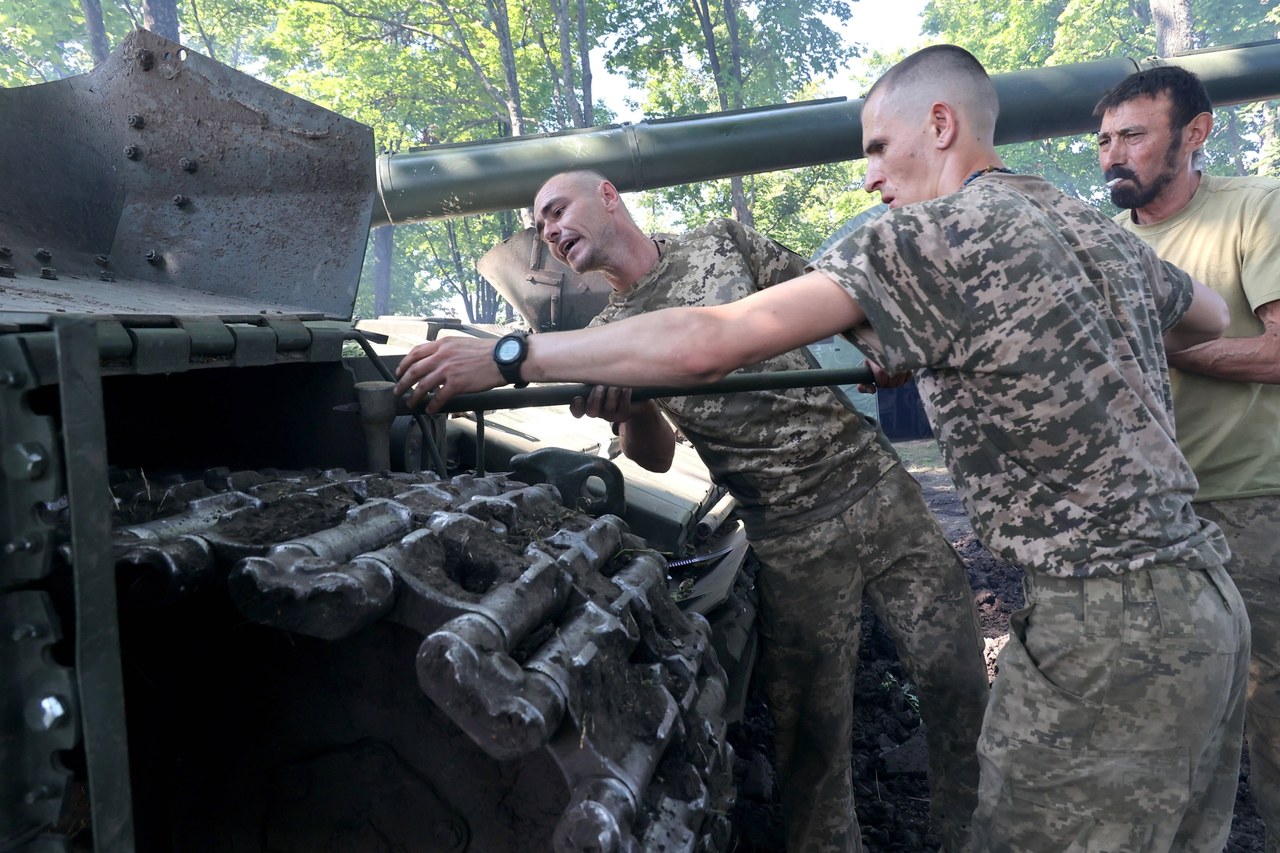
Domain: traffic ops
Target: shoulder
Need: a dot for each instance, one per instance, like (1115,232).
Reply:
(1248,189)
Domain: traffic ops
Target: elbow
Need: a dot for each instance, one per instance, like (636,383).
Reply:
(706,351)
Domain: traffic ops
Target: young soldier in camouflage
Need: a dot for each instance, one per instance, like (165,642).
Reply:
(1038,329)
(830,513)
(1226,393)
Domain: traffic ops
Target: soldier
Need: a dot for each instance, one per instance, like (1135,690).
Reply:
(830,513)
(1226,393)
(1038,329)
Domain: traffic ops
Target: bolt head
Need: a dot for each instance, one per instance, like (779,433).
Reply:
(131,152)
(26,460)
(146,59)
(186,164)
(180,200)
(46,713)
(136,120)
(43,254)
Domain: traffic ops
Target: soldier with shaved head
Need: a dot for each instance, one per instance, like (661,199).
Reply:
(1038,330)
(831,514)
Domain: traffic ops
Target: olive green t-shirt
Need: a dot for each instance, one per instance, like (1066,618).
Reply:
(1229,238)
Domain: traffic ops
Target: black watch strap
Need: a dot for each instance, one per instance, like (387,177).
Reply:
(508,366)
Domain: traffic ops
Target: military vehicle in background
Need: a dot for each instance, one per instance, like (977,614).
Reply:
(247,600)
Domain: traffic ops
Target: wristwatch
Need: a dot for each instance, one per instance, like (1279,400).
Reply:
(509,353)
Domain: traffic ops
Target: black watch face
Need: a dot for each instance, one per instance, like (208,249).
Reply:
(508,350)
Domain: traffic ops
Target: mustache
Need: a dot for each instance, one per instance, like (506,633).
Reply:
(1116,173)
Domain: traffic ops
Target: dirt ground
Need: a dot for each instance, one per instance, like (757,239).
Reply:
(889,753)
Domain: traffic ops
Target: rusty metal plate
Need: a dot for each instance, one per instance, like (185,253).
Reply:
(165,182)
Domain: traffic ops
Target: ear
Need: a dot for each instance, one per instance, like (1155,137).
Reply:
(1197,130)
(943,121)
(609,195)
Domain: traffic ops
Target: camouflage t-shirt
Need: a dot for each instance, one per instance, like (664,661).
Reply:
(791,457)
(1035,324)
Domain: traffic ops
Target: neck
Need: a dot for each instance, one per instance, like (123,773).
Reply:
(637,258)
(1175,197)
(982,161)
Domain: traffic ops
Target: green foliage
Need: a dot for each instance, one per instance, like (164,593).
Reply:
(436,71)
(1030,33)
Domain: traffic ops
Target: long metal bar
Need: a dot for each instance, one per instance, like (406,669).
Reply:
(504,174)
(562,395)
(97,645)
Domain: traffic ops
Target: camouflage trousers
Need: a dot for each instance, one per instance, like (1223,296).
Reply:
(889,547)
(1116,717)
(1252,528)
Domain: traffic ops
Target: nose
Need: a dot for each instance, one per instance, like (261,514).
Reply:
(874,180)
(550,233)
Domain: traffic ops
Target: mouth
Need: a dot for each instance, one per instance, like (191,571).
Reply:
(1114,182)
(566,246)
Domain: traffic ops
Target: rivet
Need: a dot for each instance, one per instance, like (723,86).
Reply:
(154,257)
(146,59)
(43,255)
(20,545)
(42,792)
(132,152)
(49,273)
(180,200)
(186,164)
(136,120)
(25,632)
(100,260)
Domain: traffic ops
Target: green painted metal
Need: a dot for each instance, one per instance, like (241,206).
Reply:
(503,174)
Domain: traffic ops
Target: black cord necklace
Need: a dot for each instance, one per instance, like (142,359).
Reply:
(986,171)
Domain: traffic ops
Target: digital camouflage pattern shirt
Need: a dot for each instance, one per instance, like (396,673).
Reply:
(791,457)
(1035,325)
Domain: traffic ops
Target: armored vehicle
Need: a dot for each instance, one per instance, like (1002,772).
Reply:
(247,600)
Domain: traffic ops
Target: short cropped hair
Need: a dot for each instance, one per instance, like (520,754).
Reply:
(1184,89)
(941,66)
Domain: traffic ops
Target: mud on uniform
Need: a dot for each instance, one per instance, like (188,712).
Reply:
(1228,236)
(1035,327)
(831,514)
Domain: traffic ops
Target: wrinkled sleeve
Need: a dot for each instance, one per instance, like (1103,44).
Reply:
(896,269)
(1260,270)
(771,261)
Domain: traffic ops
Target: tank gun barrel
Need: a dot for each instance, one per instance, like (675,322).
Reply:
(504,174)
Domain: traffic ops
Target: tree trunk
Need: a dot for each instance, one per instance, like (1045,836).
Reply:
(1175,31)
(384,240)
(161,17)
(99,48)
(584,59)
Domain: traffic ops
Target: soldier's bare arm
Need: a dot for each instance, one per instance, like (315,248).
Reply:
(644,435)
(674,346)
(1251,359)
(1204,321)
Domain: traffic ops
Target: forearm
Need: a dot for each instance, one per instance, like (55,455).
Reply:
(1205,320)
(1234,359)
(669,347)
(647,439)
